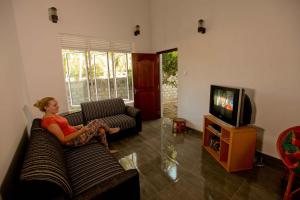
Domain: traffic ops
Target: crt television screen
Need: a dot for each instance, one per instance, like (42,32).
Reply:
(224,99)
(224,103)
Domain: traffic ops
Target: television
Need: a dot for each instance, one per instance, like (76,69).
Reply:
(231,105)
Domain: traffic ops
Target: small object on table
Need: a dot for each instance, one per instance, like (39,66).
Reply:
(179,125)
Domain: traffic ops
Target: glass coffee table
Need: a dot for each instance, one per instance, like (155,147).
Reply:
(129,161)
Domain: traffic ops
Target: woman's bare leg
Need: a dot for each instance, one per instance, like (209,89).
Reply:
(98,123)
(104,141)
(113,130)
(103,137)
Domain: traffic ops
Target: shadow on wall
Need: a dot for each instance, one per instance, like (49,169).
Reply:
(259,138)
(10,186)
(29,117)
(249,103)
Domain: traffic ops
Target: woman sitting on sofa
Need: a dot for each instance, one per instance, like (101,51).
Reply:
(67,134)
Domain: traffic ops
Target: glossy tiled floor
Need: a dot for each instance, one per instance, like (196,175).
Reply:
(176,167)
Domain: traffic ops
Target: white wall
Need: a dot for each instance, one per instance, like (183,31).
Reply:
(39,44)
(252,43)
(12,88)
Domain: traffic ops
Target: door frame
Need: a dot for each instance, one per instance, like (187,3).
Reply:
(159,53)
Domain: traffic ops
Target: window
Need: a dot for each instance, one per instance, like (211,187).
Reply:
(95,75)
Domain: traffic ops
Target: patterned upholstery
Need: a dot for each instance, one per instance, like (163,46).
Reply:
(132,111)
(121,186)
(123,121)
(53,171)
(36,125)
(44,160)
(74,118)
(104,108)
(89,165)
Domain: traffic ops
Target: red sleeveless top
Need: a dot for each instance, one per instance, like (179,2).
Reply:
(62,122)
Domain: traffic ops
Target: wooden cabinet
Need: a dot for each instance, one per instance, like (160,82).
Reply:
(232,147)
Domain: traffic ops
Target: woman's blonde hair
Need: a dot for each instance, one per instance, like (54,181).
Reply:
(42,103)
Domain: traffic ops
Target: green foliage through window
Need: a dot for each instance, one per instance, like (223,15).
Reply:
(95,75)
(170,67)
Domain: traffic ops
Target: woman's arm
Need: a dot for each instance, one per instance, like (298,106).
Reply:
(78,127)
(56,130)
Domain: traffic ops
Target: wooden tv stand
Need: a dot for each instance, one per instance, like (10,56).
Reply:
(232,147)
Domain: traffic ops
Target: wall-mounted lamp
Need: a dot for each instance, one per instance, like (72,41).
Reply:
(53,14)
(201,28)
(137,30)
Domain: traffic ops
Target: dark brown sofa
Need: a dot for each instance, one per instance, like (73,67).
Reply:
(53,171)
(115,113)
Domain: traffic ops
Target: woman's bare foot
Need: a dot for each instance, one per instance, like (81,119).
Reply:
(101,131)
(113,151)
(113,130)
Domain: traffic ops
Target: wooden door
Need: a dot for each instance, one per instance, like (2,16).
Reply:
(146,85)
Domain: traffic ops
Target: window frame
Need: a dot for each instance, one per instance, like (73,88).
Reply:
(92,78)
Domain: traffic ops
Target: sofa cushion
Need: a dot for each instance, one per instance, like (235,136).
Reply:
(104,108)
(74,118)
(44,163)
(123,121)
(89,165)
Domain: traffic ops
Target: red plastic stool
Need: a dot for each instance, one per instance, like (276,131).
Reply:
(179,125)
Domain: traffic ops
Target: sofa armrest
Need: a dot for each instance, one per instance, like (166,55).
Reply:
(43,170)
(132,111)
(136,114)
(122,186)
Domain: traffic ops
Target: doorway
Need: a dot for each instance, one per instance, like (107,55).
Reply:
(169,82)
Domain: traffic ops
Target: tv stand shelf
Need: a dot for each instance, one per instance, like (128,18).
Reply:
(232,147)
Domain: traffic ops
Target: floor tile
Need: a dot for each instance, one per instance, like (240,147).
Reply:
(175,166)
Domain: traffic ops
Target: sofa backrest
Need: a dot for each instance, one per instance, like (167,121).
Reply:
(74,118)
(44,166)
(103,108)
